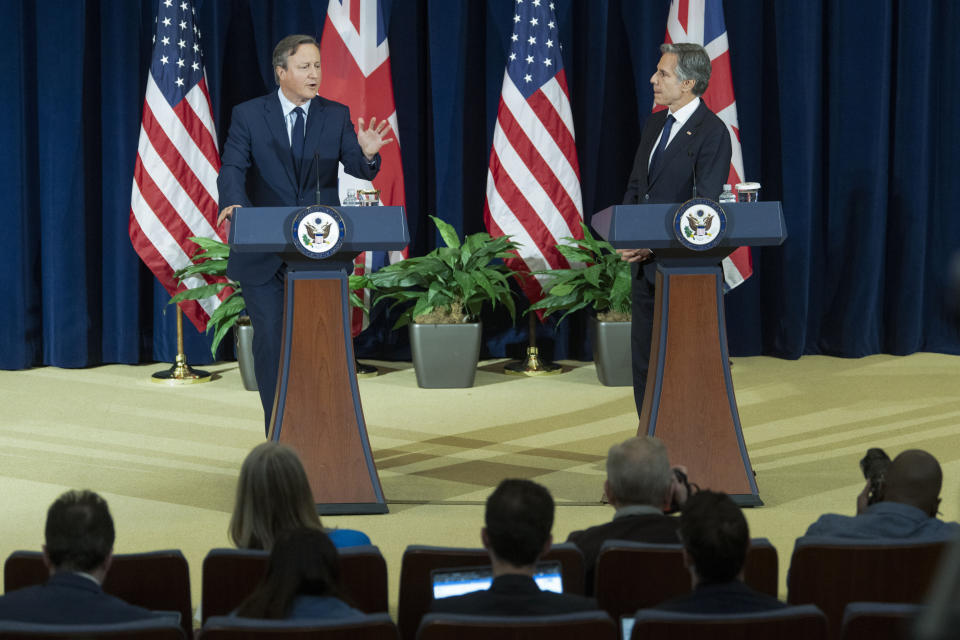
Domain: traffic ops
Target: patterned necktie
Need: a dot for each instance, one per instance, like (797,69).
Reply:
(664,138)
(296,139)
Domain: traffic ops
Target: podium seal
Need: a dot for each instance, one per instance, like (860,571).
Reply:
(699,224)
(317,231)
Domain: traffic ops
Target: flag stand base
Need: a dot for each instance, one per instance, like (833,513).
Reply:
(532,366)
(180,373)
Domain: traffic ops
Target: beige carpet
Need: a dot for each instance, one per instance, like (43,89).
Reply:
(167,458)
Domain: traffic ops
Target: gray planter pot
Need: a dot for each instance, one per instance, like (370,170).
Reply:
(445,356)
(611,352)
(243,341)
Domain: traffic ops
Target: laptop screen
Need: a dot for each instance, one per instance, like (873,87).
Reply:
(456,582)
(626,626)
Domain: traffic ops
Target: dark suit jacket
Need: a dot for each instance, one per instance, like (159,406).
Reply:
(727,597)
(258,168)
(652,528)
(68,598)
(513,595)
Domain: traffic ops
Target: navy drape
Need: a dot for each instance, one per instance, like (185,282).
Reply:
(849,115)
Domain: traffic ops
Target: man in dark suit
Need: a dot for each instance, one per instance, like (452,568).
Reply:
(715,539)
(519,516)
(283,149)
(640,485)
(79,547)
(682,146)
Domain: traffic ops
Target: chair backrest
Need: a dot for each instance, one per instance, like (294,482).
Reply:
(833,572)
(634,575)
(595,625)
(416,589)
(376,626)
(160,628)
(230,575)
(156,580)
(878,621)
(790,623)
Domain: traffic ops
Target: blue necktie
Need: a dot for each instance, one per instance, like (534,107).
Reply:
(296,140)
(664,138)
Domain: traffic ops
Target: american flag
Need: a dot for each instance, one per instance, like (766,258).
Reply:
(355,63)
(533,183)
(701,22)
(174,192)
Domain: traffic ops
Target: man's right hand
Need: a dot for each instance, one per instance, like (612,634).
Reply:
(635,255)
(226,213)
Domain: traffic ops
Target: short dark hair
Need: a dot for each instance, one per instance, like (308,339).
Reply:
(519,516)
(693,63)
(715,535)
(79,532)
(286,48)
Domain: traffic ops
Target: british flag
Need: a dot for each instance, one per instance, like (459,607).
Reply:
(355,61)
(701,22)
(533,183)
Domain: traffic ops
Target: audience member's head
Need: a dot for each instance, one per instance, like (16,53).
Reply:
(715,537)
(273,496)
(638,473)
(79,534)
(302,562)
(914,478)
(519,516)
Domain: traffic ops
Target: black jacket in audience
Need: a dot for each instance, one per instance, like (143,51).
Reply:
(68,598)
(725,597)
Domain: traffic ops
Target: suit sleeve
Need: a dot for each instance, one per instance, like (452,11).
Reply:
(351,155)
(713,162)
(237,157)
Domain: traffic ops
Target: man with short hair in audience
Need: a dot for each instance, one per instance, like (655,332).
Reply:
(908,497)
(640,485)
(518,518)
(715,540)
(79,548)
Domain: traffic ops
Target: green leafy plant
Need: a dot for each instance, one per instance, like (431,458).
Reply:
(450,284)
(602,284)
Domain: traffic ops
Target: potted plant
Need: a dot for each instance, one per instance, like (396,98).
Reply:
(603,286)
(445,291)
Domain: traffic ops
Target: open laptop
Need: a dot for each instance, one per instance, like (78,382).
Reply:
(461,580)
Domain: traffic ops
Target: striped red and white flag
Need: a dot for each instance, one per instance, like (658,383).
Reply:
(701,22)
(533,182)
(174,192)
(355,65)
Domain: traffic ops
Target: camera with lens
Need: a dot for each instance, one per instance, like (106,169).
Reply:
(874,466)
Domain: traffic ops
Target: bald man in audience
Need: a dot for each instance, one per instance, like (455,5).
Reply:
(908,499)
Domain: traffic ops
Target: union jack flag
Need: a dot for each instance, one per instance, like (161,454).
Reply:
(355,63)
(174,192)
(701,22)
(533,182)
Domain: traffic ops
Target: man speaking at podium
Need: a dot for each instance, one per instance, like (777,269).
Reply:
(684,151)
(283,149)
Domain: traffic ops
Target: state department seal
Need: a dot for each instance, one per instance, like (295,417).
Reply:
(700,224)
(317,231)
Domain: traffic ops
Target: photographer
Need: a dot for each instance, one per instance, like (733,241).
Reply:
(901,502)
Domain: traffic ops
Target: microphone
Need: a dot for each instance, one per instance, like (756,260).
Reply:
(694,165)
(316,193)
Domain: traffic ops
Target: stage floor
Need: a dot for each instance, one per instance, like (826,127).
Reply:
(167,458)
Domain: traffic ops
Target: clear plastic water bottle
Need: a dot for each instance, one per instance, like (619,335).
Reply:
(727,195)
(351,200)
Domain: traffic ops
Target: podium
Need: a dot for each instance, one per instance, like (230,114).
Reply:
(317,408)
(689,401)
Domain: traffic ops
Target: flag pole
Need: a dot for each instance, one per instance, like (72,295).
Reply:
(532,365)
(180,373)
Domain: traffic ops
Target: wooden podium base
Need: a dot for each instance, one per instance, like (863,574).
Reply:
(689,402)
(317,409)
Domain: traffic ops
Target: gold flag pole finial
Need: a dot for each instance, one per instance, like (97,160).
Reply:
(180,373)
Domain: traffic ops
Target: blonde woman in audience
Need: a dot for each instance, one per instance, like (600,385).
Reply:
(273,497)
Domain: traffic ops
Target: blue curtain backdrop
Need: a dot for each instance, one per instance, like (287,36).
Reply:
(849,113)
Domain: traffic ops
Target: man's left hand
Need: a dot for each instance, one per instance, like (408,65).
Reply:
(371,138)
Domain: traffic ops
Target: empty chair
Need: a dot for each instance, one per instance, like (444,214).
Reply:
(593,625)
(157,580)
(161,628)
(416,591)
(878,621)
(229,576)
(833,572)
(790,623)
(377,626)
(636,575)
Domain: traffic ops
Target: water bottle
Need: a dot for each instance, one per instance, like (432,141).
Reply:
(351,200)
(727,195)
